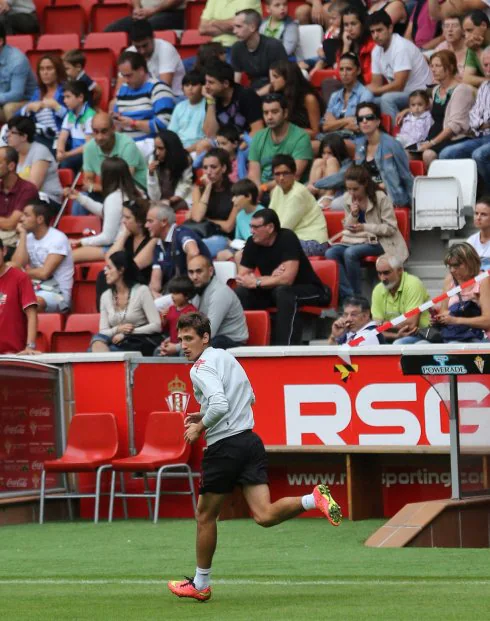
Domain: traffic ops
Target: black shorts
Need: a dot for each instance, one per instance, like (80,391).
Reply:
(237,460)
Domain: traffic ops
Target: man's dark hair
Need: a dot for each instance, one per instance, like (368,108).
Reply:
(3,33)
(269,217)
(140,29)
(11,155)
(182,284)
(223,72)
(358,300)
(477,16)
(193,77)
(77,88)
(43,209)
(252,17)
(24,125)
(137,61)
(379,17)
(197,321)
(275,97)
(283,159)
(246,187)
(230,132)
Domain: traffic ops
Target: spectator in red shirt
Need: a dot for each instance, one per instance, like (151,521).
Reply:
(18,310)
(182,291)
(356,38)
(15,194)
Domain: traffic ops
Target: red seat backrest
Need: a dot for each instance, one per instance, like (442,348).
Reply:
(93,435)
(104,14)
(259,327)
(47,324)
(403,220)
(21,42)
(328,272)
(334,221)
(115,41)
(75,225)
(85,322)
(84,298)
(417,168)
(67,40)
(166,35)
(165,433)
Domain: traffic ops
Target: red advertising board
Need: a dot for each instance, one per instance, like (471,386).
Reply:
(27,427)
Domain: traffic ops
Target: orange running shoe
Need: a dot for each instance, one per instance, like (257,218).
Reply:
(186,588)
(327,505)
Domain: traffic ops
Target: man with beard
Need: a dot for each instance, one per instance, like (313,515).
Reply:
(219,303)
(280,136)
(395,294)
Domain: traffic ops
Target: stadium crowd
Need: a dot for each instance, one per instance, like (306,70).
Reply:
(233,155)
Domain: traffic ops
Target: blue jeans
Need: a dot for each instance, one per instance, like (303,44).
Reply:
(476,148)
(215,243)
(408,340)
(349,260)
(392,104)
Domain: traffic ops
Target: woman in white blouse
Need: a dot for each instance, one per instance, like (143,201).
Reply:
(129,320)
(117,187)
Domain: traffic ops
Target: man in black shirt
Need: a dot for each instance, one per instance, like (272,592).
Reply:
(229,103)
(286,277)
(254,53)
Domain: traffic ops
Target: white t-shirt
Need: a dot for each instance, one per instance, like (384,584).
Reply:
(54,242)
(482,250)
(402,55)
(165,59)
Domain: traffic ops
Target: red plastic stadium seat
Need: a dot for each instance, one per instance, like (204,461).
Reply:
(24,43)
(317,76)
(73,226)
(106,91)
(334,221)
(85,4)
(165,452)
(91,446)
(40,6)
(403,220)
(58,41)
(84,298)
(181,216)
(193,11)
(100,62)
(76,336)
(66,176)
(88,271)
(417,168)
(259,327)
(386,123)
(47,324)
(64,19)
(104,14)
(167,35)
(328,272)
(190,42)
(115,41)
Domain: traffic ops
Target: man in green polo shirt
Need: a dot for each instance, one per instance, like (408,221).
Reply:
(395,294)
(109,143)
(218,17)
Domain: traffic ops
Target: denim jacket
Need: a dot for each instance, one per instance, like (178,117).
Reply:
(17,82)
(392,162)
(358,94)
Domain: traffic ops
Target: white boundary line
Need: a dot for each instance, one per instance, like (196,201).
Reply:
(242,582)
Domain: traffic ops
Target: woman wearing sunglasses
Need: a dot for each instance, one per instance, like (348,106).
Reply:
(383,156)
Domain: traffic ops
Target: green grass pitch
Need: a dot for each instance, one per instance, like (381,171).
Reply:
(302,569)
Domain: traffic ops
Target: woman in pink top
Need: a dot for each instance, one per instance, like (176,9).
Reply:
(464,263)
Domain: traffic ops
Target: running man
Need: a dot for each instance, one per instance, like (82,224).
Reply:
(235,455)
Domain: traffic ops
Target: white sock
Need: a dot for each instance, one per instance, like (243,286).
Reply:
(308,502)
(202,578)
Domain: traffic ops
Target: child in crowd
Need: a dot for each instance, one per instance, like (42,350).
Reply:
(76,129)
(280,26)
(74,63)
(334,157)
(417,121)
(182,291)
(245,200)
(228,138)
(334,13)
(188,115)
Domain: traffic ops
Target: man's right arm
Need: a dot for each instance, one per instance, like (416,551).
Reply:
(10,222)
(215,27)
(210,125)
(21,256)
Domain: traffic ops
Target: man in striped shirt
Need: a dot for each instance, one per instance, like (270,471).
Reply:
(143,105)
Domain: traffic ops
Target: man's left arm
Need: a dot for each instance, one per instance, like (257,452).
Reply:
(163,104)
(284,274)
(45,272)
(396,85)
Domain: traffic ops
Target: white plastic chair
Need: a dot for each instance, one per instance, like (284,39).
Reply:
(464,171)
(310,39)
(437,202)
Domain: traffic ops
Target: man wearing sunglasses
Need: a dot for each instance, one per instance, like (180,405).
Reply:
(398,66)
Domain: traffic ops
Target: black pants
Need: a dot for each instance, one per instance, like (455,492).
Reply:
(20,23)
(224,342)
(286,299)
(164,20)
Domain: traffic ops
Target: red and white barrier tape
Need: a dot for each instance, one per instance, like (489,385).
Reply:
(423,307)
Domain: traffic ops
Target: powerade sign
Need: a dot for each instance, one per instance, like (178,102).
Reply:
(442,367)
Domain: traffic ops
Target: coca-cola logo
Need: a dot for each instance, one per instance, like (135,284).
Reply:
(36,449)
(16,483)
(14,430)
(37,465)
(39,412)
